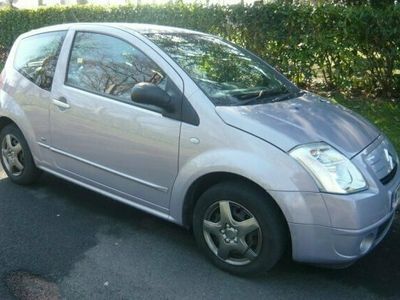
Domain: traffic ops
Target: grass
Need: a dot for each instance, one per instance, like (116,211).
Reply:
(384,113)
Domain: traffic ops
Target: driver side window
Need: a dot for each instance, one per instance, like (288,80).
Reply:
(109,66)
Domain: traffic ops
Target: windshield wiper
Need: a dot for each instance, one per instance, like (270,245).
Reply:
(247,95)
(287,96)
(257,94)
(281,97)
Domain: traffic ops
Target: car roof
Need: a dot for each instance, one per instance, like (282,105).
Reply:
(140,28)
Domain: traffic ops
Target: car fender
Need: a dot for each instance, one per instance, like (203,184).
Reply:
(260,171)
(12,110)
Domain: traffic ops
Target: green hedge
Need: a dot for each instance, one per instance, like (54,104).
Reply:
(334,47)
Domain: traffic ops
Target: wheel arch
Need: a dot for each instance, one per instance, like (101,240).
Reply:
(201,184)
(12,113)
(4,121)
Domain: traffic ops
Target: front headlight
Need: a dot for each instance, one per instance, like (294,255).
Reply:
(333,172)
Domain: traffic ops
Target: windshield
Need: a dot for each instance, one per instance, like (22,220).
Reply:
(228,74)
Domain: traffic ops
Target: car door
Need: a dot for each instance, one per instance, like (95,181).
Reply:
(35,61)
(98,134)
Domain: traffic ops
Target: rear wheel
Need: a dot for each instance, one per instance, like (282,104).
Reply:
(239,228)
(16,157)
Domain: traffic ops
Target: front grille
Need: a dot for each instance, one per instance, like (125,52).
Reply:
(382,160)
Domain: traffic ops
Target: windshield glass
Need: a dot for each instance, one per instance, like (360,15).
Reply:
(228,74)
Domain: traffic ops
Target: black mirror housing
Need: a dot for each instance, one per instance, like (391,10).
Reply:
(149,93)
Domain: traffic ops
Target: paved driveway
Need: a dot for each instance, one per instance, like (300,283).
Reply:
(60,239)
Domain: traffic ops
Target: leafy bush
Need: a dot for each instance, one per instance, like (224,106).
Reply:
(335,47)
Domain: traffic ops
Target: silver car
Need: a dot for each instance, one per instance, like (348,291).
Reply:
(200,132)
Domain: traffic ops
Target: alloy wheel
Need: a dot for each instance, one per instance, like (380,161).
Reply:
(13,155)
(232,233)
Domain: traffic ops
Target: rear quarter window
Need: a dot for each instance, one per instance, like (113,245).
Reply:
(37,55)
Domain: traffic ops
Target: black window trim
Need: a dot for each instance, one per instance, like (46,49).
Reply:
(58,57)
(176,115)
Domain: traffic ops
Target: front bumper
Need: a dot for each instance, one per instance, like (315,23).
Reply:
(328,245)
(339,229)
(357,224)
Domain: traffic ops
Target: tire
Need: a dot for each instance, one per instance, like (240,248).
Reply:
(248,248)
(16,157)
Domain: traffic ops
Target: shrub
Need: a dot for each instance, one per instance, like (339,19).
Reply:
(345,48)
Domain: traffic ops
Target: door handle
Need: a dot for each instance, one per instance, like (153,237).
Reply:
(61,103)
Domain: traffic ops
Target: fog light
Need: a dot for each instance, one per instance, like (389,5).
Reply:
(367,243)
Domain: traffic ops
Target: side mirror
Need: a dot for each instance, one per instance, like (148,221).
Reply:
(149,93)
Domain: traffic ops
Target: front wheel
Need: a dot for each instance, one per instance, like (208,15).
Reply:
(16,157)
(239,228)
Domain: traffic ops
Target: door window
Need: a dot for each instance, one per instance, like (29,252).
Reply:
(109,66)
(37,56)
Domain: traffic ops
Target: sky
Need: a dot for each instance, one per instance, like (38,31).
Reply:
(34,3)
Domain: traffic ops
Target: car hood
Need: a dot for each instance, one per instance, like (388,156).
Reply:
(302,120)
